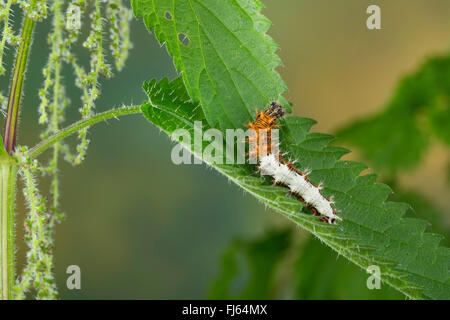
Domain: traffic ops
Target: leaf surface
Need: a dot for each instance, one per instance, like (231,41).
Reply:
(374,231)
(221,48)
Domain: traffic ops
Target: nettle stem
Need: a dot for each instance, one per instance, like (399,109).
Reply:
(8,175)
(82,124)
(8,167)
(15,91)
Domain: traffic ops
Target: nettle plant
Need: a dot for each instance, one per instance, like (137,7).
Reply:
(228,66)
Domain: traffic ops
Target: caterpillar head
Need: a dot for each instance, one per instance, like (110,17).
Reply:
(275,111)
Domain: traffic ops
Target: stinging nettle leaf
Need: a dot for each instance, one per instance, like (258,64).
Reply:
(373,232)
(221,48)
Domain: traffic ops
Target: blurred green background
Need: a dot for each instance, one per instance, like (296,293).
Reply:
(141,227)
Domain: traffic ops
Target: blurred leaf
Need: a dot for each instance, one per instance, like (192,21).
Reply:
(373,232)
(440,117)
(223,52)
(259,258)
(320,274)
(248,268)
(448,173)
(397,138)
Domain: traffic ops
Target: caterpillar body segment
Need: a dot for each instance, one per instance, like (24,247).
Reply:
(284,172)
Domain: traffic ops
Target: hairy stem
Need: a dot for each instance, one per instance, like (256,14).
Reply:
(8,168)
(15,90)
(77,126)
(8,174)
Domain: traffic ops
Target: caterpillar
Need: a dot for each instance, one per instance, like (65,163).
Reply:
(284,172)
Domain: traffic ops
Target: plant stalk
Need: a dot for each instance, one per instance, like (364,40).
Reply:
(8,167)
(8,175)
(15,90)
(77,126)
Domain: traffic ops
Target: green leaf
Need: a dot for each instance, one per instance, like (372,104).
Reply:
(373,232)
(316,274)
(249,266)
(227,60)
(397,138)
(424,209)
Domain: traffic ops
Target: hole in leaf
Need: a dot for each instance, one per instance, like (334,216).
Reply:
(184,39)
(168,15)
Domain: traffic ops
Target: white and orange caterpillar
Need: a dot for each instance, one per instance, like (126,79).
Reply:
(284,172)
